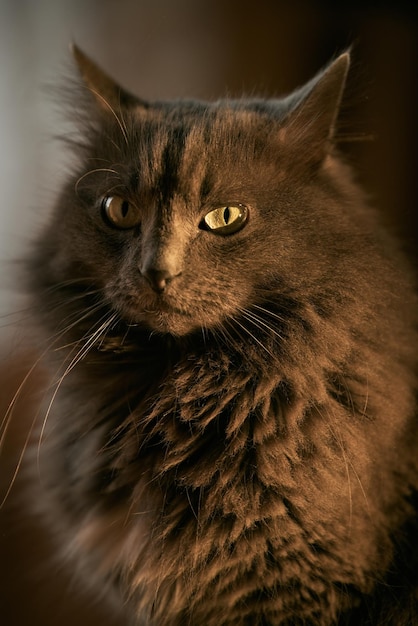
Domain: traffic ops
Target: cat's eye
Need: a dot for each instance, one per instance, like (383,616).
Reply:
(226,220)
(119,212)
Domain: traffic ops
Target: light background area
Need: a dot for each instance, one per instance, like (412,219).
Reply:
(202,48)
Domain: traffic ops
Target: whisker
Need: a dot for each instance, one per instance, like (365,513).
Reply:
(5,423)
(51,346)
(222,332)
(269,312)
(77,321)
(366,400)
(112,189)
(120,122)
(73,363)
(99,169)
(260,343)
(252,317)
(56,337)
(15,318)
(19,461)
(68,282)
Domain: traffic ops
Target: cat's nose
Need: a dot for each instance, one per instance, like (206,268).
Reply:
(158,279)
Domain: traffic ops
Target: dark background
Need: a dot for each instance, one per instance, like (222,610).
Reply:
(170,48)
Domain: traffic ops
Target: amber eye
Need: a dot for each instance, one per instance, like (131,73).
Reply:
(226,220)
(119,212)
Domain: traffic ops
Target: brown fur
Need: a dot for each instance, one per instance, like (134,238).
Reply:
(238,446)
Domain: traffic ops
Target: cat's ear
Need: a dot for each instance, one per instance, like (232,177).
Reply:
(310,126)
(109,95)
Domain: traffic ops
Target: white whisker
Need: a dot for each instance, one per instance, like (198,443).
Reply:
(51,347)
(84,350)
(99,169)
(269,312)
(257,320)
(246,330)
(19,461)
(6,421)
(119,120)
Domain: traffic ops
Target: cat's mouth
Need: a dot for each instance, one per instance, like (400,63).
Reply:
(123,337)
(166,318)
(174,312)
(161,316)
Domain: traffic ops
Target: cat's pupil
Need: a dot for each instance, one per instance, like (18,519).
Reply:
(124,208)
(227,215)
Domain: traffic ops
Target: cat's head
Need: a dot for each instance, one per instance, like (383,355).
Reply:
(185,214)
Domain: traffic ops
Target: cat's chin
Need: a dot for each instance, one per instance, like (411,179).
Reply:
(177,324)
(165,320)
(164,313)
(158,313)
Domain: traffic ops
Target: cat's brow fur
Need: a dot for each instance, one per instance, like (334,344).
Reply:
(239,449)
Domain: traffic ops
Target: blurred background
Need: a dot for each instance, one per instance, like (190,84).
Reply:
(164,49)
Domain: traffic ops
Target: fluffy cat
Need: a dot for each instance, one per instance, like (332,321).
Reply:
(231,436)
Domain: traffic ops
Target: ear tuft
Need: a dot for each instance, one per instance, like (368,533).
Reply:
(109,95)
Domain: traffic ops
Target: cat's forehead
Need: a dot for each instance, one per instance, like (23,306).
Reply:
(179,136)
(192,138)
(222,117)
(185,145)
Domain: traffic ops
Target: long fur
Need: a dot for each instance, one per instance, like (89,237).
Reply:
(241,448)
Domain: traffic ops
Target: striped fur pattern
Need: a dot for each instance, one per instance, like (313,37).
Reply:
(229,438)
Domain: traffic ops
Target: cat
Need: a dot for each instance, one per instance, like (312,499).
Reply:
(230,438)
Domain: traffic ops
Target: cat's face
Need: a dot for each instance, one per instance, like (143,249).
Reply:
(183,231)
(185,215)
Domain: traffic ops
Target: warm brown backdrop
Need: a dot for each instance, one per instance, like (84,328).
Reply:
(207,48)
